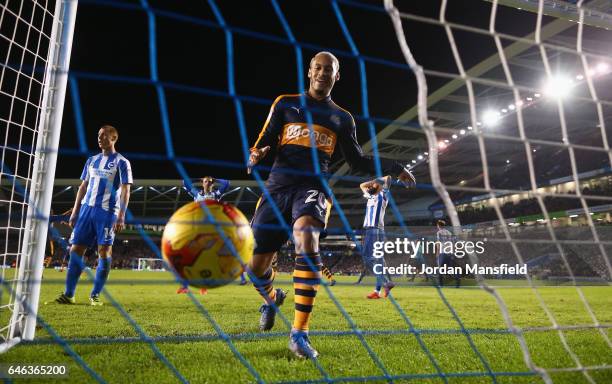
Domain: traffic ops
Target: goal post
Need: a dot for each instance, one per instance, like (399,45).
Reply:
(150,264)
(24,294)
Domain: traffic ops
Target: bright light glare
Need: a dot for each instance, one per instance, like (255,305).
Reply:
(462,131)
(558,87)
(511,107)
(602,67)
(454,136)
(490,118)
(420,157)
(441,145)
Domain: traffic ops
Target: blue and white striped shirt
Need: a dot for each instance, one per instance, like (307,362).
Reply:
(375,209)
(105,175)
(216,194)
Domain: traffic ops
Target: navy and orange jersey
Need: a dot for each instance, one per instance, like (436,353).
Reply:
(286,128)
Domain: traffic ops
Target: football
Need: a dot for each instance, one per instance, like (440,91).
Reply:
(208,243)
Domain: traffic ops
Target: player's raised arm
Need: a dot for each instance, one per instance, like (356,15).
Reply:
(223,185)
(268,136)
(193,192)
(357,160)
(407,178)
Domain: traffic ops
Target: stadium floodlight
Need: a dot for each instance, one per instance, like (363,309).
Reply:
(420,157)
(490,118)
(462,131)
(454,136)
(602,68)
(558,86)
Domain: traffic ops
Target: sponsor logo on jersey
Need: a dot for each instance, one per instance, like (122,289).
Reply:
(299,134)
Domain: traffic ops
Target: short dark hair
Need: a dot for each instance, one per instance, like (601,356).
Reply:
(111,129)
(441,223)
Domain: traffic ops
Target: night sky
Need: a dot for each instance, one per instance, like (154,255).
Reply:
(110,41)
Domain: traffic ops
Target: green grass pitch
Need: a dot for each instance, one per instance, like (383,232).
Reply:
(110,345)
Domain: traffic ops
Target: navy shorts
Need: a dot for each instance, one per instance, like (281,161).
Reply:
(94,226)
(292,204)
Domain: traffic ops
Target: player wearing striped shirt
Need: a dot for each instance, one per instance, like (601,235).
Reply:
(209,191)
(98,213)
(377,194)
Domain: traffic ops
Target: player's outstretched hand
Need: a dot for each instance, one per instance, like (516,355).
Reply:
(256,155)
(407,179)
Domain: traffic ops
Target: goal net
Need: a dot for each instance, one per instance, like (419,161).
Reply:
(148,264)
(35,41)
(522,158)
(504,118)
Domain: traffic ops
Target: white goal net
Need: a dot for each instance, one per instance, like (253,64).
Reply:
(35,42)
(145,264)
(520,141)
